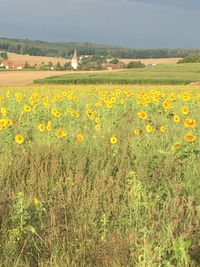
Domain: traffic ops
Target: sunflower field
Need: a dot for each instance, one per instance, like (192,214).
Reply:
(100,175)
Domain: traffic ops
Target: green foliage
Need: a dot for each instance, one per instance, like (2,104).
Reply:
(114,61)
(135,64)
(191,58)
(39,48)
(58,66)
(3,55)
(134,203)
(92,63)
(160,74)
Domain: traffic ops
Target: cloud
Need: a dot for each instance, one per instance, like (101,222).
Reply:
(170,3)
(130,23)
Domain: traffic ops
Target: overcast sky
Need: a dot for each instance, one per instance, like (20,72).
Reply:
(129,23)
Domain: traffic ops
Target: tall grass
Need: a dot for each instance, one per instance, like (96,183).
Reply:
(99,207)
(134,203)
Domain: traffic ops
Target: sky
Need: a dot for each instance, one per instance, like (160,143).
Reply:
(128,23)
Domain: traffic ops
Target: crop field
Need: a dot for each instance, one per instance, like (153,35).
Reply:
(160,74)
(32,60)
(24,78)
(100,175)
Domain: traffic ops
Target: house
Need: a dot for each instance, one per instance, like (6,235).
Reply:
(114,66)
(8,64)
(151,65)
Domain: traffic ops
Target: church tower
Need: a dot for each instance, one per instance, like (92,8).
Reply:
(74,62)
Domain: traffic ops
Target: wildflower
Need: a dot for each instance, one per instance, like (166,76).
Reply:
(113,140)
(9,122)
(176,118)
(163,129)
(137,132)
(122,101)
(41,127)
(167,105)
(36,202)
(79,138)
(189,123)
(189,138)
(97,120)
(142,115)
(61,133)
(49,126)
(97,126)
(149,128)
(27,108)
(19,139)
(185,110)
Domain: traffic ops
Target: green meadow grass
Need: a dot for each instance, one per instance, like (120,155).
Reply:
(160,74)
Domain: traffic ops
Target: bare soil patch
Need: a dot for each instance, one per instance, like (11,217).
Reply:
(22,78)
(32,60)
(151,60)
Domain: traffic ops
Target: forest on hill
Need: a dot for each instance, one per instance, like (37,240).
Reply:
(41,48)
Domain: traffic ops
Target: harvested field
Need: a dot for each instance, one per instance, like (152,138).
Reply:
(32,60)
(22,59)
(16,78)
(147,61)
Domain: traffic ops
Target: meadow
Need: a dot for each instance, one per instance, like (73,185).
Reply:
(160,74)
(100,175)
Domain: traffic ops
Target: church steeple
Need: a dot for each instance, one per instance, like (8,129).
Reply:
(74,62)
(75,54)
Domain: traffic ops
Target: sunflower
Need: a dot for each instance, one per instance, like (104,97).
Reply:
(19,139)
(122,101)
(79,138)
(113,140)
(97,120)
(189,123)
(137,131)
(149,128)
(41,127)
(9,122)
(185,110)
(163,129)
(27,108)
(167,105)
(61,133)
(189,137)
(176,118)
(142,115)
(97,126)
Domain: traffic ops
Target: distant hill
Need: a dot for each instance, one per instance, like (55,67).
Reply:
(65,50)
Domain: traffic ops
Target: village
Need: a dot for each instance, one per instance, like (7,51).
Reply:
(82,62)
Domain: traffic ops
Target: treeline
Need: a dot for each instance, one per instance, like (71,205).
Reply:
(191,58)
(40,48)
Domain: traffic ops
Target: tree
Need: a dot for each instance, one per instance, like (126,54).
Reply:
(135,64)
(58,66)
(50,64)
(114,61)
(26,66)
(3,55)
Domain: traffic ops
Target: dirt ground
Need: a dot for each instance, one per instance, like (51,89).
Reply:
(32,60)
(151,60)
(23,78)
